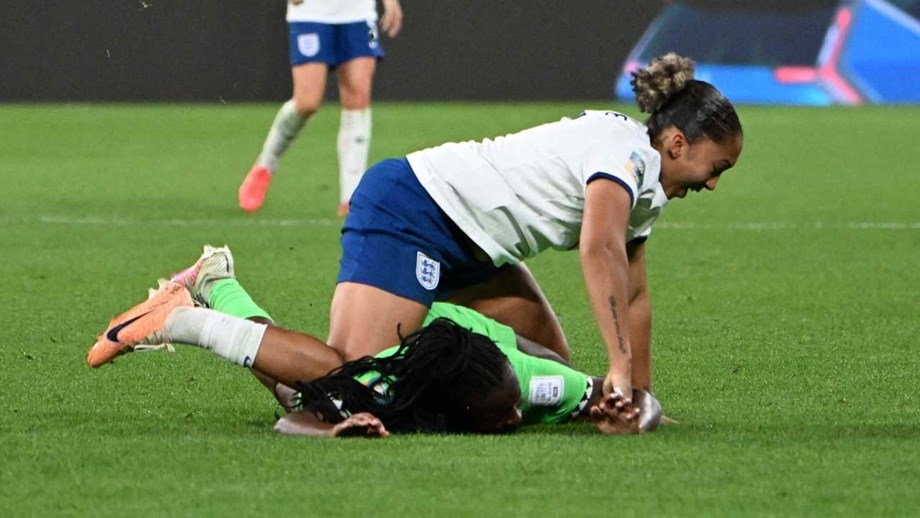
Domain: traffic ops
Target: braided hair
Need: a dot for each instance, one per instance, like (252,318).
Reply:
(666,90)
(427,385)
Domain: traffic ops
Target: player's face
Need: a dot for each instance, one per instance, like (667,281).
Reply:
(499,412)
(698,166)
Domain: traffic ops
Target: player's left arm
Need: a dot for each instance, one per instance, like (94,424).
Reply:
(640,316)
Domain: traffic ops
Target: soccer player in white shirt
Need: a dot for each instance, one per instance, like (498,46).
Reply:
(456,222)
(325,35)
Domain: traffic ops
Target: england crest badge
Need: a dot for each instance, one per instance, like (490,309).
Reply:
(308,44)
(427,271)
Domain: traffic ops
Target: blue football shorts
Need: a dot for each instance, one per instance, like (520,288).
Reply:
(333,44)
(396,238)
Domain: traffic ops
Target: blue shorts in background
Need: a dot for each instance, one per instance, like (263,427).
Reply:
(333,44)
(396,238)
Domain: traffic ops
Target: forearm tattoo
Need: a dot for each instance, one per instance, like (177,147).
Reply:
(621,342)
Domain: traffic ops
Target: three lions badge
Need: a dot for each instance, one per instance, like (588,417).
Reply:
(427,271)
(308,44)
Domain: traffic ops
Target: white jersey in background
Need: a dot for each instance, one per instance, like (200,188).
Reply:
(520,194)
(332,11)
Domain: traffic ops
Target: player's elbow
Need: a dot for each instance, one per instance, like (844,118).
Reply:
(603,250)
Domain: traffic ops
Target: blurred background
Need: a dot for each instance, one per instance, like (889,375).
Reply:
(758,51)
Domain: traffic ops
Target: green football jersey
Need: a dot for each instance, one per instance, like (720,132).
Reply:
(550,392)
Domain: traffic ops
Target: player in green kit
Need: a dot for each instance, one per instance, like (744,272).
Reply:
(469,370)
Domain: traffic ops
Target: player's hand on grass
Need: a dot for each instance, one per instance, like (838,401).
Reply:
(360,425)
(305,422)
(391,21)
(615,414)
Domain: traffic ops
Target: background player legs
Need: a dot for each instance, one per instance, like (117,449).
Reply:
(309,86)
(355,78)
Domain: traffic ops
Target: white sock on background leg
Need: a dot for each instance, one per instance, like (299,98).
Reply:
(353,145)
(284,130)
(234,339)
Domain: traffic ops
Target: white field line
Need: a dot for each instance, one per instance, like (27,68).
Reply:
(326,222)
(816,225)
(198,222)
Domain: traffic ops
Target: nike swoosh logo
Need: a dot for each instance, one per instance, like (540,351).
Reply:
(112,334)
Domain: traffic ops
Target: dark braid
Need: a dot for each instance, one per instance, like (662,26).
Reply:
(666,90)
(436,373)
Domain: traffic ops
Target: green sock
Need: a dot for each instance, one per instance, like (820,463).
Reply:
(229,297)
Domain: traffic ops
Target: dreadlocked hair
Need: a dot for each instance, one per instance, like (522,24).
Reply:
(427,385)
(667,91)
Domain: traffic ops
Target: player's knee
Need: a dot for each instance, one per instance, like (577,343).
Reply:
(306,107)
(356,101)
(351,350)
(352,345)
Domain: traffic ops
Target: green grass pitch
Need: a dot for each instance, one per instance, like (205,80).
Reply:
(785,332)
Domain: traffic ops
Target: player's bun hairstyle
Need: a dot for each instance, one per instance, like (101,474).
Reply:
(429,384)
(667,91)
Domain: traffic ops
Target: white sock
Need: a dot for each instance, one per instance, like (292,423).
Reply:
(353,145)
(285,128)
(234,339)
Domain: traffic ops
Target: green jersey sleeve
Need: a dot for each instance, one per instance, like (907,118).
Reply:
(550,391)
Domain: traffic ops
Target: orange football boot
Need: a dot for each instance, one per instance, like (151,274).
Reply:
(254,187)
(142,324)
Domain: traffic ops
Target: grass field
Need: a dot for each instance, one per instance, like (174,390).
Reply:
(786,325)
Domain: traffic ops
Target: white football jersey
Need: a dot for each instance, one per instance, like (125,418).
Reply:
(520,194)
(332,11)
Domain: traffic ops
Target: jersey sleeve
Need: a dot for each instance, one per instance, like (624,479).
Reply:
(603,168)
(550,391)
(618,155)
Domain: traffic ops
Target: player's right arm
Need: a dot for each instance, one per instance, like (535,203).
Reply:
(391,21)
(605,266)
(553,392)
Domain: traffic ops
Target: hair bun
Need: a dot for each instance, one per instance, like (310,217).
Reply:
(660,80)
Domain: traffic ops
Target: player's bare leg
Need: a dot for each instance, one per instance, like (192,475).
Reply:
(283,355)
(289,357)
(355,79)
(364,320)
(514,298)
